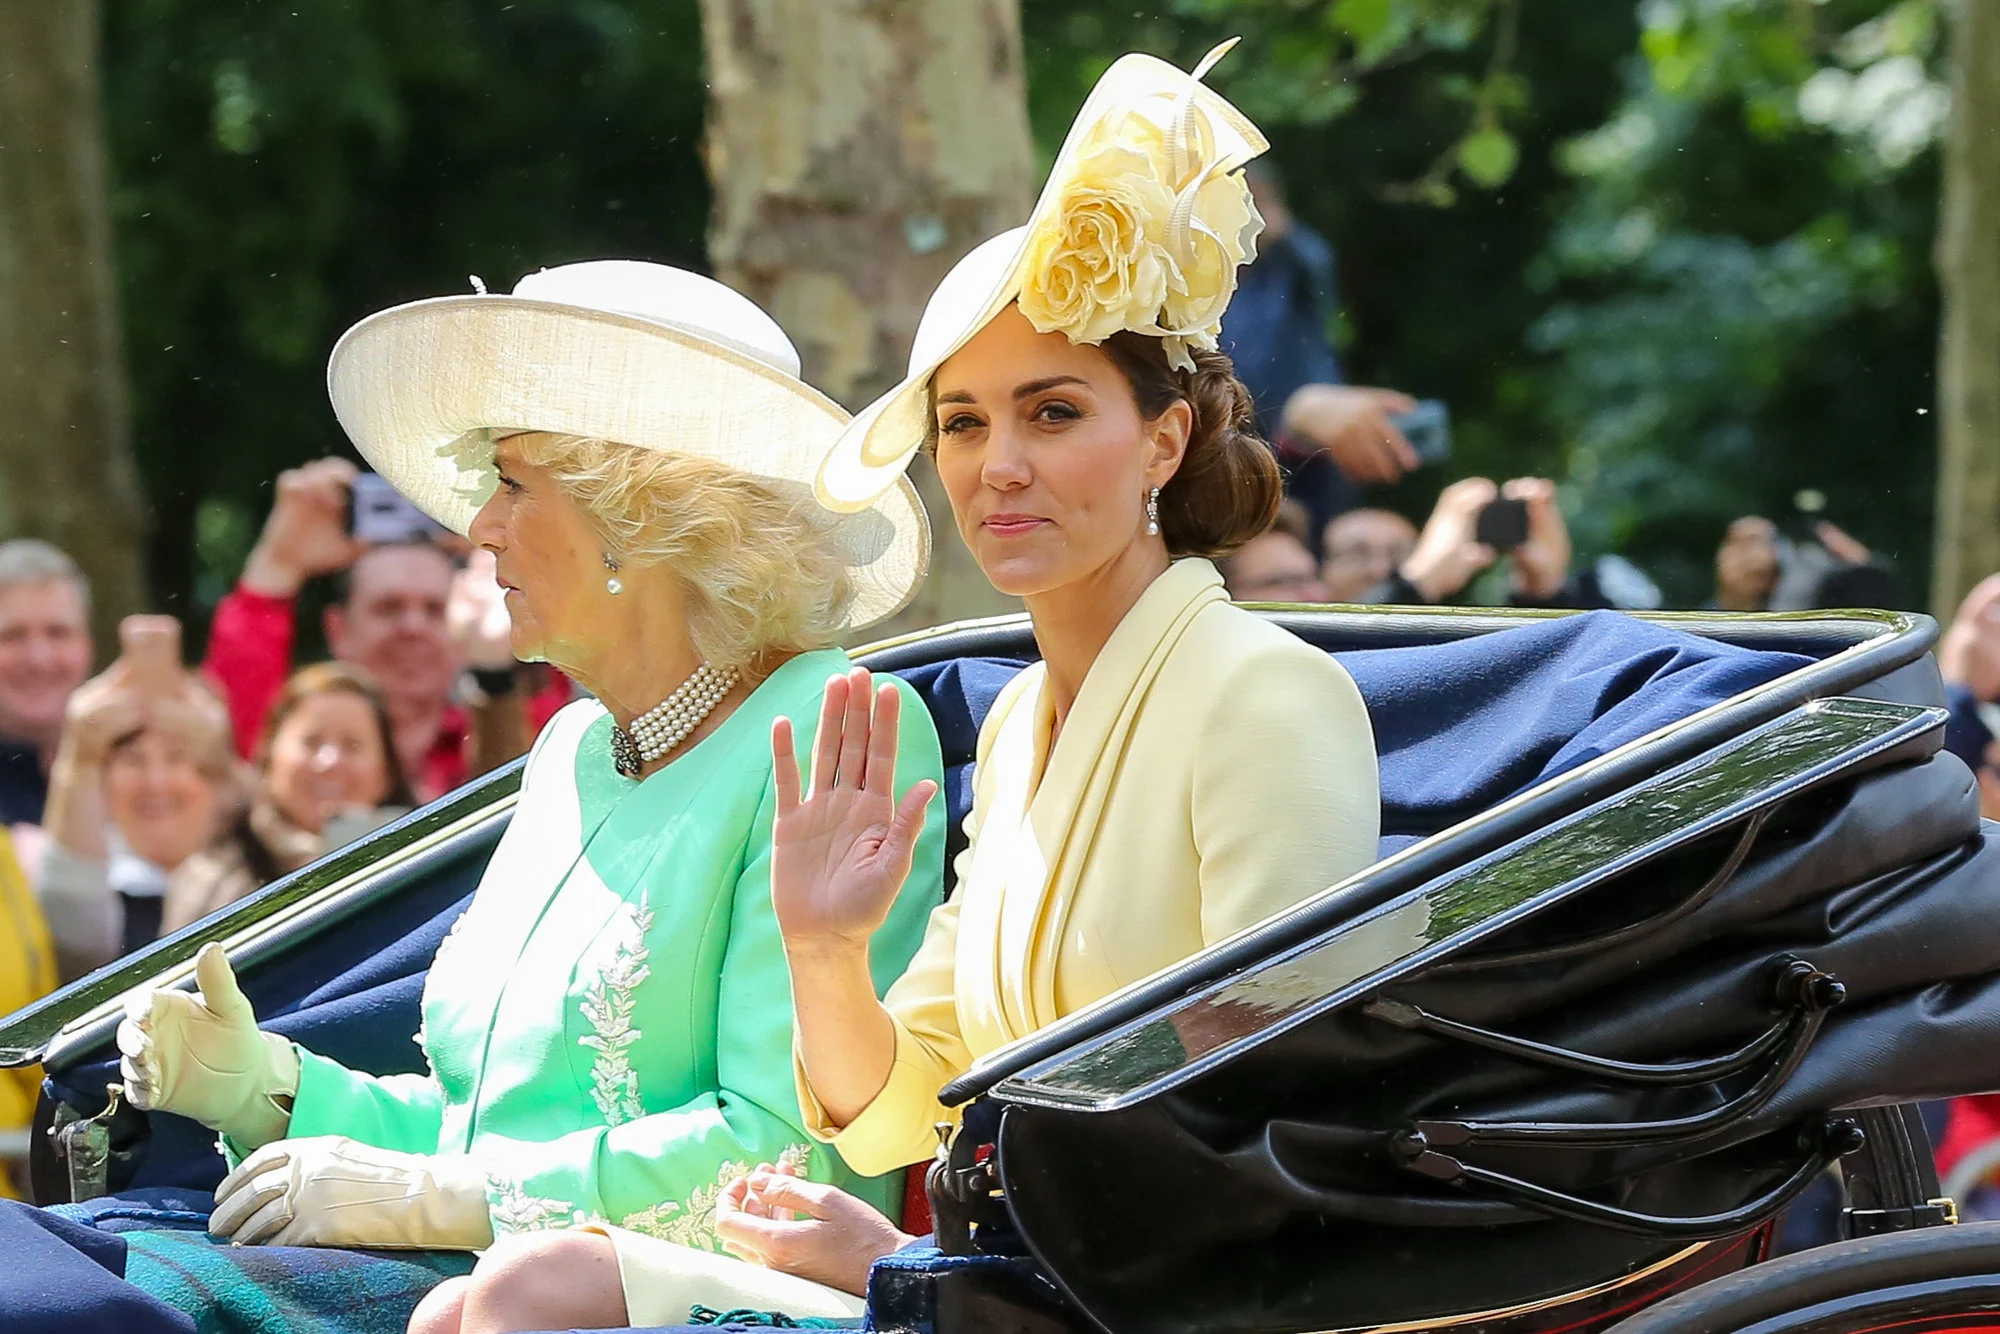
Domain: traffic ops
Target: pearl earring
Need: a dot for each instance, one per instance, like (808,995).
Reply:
(614,585)
(1153,512)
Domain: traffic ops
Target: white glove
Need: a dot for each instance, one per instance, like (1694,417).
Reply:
(201,1056)
(334,1191)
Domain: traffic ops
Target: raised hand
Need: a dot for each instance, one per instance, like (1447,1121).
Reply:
(102,711)
(1541,564)
(1353,425)
(476,614)
(840,853)
(306,532)
(1448,553)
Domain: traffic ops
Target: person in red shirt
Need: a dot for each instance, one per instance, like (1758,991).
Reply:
(396,615)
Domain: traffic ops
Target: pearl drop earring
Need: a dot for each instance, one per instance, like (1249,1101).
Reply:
(614,585)
(1153,512)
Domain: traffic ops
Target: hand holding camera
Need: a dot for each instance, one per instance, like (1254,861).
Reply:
(1542,550)
(1353,425)
(1475,523)
(477,616)
(146,687)
(324,516)
(1450,551)
(306,533)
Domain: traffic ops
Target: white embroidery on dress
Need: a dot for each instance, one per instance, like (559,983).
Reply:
(691,1222)
(514,1210)
(607,1008)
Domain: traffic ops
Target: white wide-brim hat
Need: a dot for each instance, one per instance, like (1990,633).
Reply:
(633,353)
(1211,139)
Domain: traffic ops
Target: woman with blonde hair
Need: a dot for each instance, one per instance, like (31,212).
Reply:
(1173,771)
(608,1027)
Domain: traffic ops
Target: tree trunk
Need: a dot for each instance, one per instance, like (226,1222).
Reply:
(1968,261)
(858,148)
(66,471)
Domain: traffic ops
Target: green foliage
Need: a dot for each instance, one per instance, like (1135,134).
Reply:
(1675,254)
(1743,303)
(281,170)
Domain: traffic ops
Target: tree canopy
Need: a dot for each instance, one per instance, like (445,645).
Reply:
(1674,255)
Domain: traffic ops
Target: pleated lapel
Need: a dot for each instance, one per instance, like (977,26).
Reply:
(1046,838)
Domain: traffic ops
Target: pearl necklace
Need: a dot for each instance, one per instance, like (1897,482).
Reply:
(663,727)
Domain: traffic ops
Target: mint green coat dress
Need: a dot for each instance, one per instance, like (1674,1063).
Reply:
(609,1025)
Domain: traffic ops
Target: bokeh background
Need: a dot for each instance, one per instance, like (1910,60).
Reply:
(1675,254)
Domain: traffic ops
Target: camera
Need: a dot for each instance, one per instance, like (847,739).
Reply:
(378,514)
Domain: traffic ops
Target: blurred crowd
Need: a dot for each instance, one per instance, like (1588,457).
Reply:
(143,798)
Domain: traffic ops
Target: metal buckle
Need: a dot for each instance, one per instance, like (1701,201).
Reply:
(84,1145)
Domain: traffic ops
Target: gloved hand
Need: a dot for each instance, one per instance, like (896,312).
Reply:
(201,1056)
(334,1191)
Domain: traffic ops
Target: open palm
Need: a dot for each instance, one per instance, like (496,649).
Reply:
(840,855)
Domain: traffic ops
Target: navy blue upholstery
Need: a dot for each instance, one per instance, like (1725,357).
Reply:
(66,1277)
(1459,727)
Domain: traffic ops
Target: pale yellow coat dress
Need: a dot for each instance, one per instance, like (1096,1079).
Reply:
(1213,771)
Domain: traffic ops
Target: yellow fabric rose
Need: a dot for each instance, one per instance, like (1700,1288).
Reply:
(1099,261)
(1147,234)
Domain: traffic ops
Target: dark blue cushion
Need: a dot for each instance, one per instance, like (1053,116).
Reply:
(66,1277)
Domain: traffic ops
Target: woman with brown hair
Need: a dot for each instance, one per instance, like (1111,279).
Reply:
(327,759)
(1173,771)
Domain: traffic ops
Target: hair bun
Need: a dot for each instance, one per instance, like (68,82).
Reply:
(1228,487)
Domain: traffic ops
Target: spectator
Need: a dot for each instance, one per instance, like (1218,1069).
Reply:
(1277,565)
(393,618)
(1364,548)
(27,972)
(1757,569)
(45,654)
(143,780)
(328,772)
(1448,554)
(1969,660)
(1331,437)
(1746,565)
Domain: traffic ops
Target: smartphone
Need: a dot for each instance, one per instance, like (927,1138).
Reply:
(1503,524)
(1427,427)
(151,646)
(377,513)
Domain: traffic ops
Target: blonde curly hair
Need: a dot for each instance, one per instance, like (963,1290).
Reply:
(764,572)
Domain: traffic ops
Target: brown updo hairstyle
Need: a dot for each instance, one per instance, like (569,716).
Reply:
(1228,488)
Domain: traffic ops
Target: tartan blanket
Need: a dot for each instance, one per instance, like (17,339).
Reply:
(284,1289)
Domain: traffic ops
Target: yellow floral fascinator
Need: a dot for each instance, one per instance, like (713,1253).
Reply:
(1141,227)
(1151,220)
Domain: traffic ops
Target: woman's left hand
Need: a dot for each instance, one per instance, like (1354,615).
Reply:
(804,1228)
(333,1191)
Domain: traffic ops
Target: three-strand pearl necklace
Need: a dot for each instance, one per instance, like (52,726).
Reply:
(663,727)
